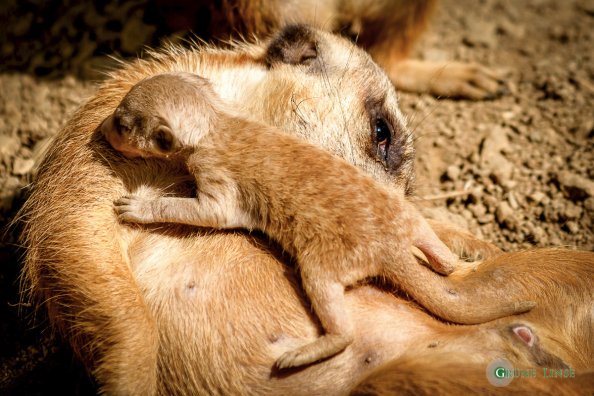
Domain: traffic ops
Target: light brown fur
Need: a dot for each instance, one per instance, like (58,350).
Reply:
(172,310)
(340,225)
(452,375)
(387,29)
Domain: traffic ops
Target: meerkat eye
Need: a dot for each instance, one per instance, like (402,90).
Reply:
(382,136)
(163,139)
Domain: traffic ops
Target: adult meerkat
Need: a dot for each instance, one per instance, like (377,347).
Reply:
(171,310)
(387,29)
(339,225)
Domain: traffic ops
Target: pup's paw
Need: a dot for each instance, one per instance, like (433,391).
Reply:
(134,209)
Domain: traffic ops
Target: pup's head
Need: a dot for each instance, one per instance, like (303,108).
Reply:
(161,116)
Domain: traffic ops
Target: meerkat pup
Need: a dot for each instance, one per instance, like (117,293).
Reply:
(339,225)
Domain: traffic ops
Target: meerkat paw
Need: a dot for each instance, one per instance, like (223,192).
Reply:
(134,209)
(448,79)
(467,80)
(322,348)
(462,243)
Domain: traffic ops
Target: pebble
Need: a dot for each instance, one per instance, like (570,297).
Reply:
(539,234)
(480,33)
(509,28)
(538,197)
(589,204)
(503,212)
(585,130)
(478,210)
(513,202)
(9,145)
(575,186)
(22,166)
(572,227)
(453,172)
(572,211)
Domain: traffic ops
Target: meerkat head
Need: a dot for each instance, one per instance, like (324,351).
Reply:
(161,116)
(323,88)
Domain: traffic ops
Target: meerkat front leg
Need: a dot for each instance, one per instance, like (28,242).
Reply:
(202,212)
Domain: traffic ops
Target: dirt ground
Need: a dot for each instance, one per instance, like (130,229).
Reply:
(518,170)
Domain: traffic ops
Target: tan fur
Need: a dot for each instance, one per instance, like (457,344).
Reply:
(171,310)
(387,29)
(453,375)
(562,323)
(340,226)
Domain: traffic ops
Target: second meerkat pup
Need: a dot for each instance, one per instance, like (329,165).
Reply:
(339,225)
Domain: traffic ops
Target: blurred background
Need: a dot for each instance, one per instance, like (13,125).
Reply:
(518,170)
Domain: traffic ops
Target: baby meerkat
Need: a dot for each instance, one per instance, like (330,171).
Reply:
(340,225)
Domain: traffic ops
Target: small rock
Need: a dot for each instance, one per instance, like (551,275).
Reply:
(501,169)
(503,212)
(492,159)
(9,145)
(539,234)
(585,130)
(478,210)
(513,202)
(575,186)
(480,32)
(485,219)
(22,166)
(554,240)
(562,34)
(572,211)
(589,204)
(515,30)
(452,172)
(538,197)
(572,227)
(467,214)
(491,203)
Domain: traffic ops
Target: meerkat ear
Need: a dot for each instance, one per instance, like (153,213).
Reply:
(526,336)
(164,139)
(294,45)
(107,125)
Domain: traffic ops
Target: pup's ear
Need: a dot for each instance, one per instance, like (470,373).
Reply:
(164,139)
(107,125)
(294,45)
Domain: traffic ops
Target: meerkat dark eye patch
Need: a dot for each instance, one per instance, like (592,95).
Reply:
(295,45)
